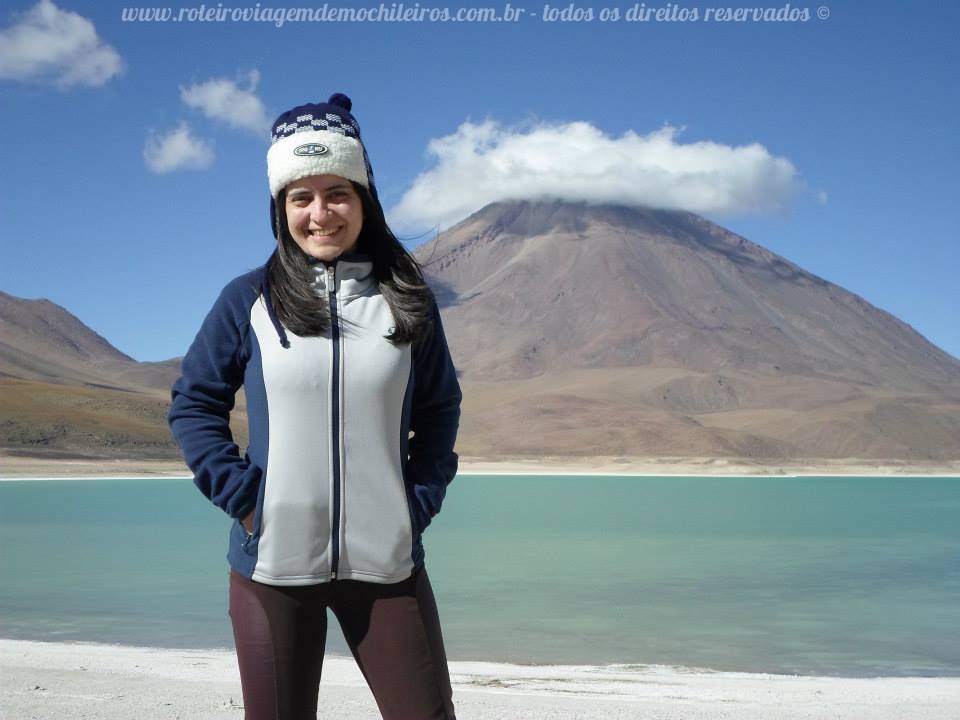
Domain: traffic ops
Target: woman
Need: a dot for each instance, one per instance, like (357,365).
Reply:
(338,345)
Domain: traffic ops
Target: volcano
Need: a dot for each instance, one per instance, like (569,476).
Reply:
(605,330)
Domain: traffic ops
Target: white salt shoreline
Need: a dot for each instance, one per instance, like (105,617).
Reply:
(27,468)
(865,472)
(104,682)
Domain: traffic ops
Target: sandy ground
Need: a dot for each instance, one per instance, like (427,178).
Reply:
(15,467)
(43,681)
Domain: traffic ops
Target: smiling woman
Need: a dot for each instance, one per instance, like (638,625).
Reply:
(338,345)
(324,215)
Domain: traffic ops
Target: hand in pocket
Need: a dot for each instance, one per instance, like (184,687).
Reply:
(247,523)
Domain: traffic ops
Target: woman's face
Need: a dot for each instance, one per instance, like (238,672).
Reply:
(324,215)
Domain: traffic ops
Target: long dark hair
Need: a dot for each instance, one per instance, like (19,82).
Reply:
(304,312)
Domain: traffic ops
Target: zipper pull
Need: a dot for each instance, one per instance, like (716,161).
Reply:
(332,279)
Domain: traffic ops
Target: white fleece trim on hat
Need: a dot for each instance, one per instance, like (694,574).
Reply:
(343,157)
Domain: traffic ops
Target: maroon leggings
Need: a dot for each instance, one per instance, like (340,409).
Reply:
(393,632)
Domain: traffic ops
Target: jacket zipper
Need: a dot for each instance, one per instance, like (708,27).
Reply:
(335,418)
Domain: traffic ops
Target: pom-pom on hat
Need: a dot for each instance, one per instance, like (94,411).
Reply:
(318,139)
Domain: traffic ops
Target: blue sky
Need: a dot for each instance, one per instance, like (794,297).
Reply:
(829,141)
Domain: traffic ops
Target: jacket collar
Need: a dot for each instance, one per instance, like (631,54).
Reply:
(352,273)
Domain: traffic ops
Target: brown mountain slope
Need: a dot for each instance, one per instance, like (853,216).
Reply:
(531,287)
(65,391)
(610,330)
(578,330)
(57,420)
(40,340)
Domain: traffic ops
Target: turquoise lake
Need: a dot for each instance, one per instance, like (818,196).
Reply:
(830,576)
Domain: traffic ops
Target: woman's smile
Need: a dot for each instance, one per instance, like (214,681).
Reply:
(324,215)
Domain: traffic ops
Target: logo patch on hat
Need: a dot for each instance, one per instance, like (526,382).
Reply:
(311,149)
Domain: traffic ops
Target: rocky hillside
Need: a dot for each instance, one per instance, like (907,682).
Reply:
(613,330)
(578,330)
(65,391)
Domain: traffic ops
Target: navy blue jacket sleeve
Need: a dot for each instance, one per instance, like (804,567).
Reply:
(203,397)
(435,418)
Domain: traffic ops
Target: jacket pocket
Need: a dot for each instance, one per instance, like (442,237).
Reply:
(419,518)
(251,539)
(243,541)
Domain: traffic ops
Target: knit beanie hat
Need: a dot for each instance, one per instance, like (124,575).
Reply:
(318,139)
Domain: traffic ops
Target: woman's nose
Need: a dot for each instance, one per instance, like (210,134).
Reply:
(319,209)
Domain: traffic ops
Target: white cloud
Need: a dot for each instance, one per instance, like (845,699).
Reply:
(50,45)
(222,99)
(485,162)
(218,99)
(179,149)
